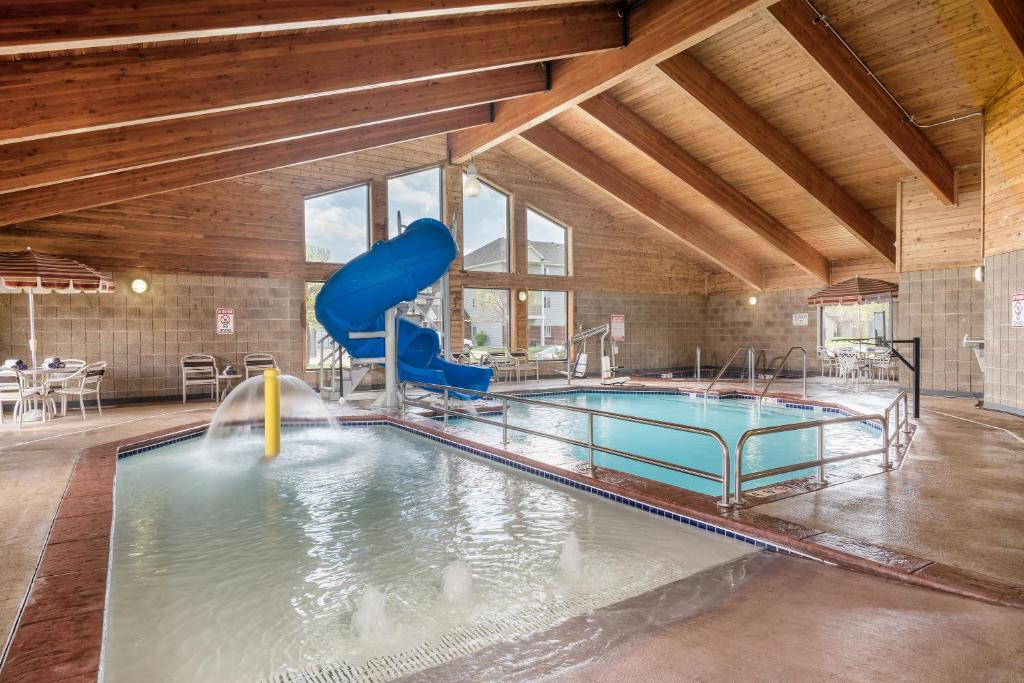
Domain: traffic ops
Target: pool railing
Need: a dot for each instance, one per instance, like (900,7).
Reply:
(590,444)
(732,469)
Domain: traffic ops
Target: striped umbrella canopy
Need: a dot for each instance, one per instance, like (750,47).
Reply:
(34,273)
(31,271)
(855,291)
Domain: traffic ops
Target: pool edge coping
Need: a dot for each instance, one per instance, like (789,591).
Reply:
(72,611)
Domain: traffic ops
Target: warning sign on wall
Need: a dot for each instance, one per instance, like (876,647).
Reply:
(1017,310)
(618,328)
(225,321)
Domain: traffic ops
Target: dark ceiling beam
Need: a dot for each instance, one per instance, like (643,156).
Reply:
(658,147)
(43,25)
(905,140)
(1006,19)
(64,158)
(658,29)
(715,96)
(176,175)
(691,232)
(51,96)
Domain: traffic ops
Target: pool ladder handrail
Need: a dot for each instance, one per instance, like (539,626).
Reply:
(750,369)
(783,365)
(590,444)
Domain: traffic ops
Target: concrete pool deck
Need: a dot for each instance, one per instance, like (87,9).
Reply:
(35,464)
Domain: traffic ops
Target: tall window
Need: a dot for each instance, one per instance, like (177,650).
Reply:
(548,313)
(314,331)
(487,320)
(416,195)
(546,252)
(338,225)
(841,323)
(485,230)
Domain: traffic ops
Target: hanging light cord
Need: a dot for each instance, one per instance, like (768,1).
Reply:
(820,18)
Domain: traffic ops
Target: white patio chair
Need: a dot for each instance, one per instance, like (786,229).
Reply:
(82,383)
(524,366)
(828,363)
(503,363)
(882,366)
(199,370)
(16,388)
(256,363)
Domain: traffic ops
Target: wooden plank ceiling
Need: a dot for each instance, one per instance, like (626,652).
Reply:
(744,129)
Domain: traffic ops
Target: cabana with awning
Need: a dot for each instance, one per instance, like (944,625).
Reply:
(855,291)
(855,309)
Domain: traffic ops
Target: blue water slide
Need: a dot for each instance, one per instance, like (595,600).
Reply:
(355,298)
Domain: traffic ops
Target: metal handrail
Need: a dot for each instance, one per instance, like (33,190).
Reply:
(783,365)
(902,419)
(820,460)
(590,443)
(750,368)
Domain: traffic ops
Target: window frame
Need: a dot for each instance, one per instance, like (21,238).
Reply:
(441,192)
(567,266)
(508,323)
(509,220)
(544,295)
(369,219)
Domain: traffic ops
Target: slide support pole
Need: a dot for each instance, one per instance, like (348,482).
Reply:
(392,402)
(272,412)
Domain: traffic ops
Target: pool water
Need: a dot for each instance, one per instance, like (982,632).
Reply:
(332,558)
(729,417)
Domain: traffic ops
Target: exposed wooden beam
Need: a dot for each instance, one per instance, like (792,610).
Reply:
(657,146)
(1006,19)
(39,25)
(177,175)
(689,74)
(910,145)
(105,89)
(657,28)
(69,157)
(684,227)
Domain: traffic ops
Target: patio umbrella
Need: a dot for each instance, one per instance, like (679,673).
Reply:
(855,291)
(34,273)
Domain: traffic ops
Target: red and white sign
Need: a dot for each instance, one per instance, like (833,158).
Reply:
(1017,310)
(225,321)
(618,328)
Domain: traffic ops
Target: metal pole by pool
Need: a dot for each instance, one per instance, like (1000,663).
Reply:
(446,409)
(271,412)
(917,377)
(590,438)
(821,454)
(504,422)
(392,402)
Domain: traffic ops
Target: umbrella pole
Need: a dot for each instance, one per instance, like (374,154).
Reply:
(32,327)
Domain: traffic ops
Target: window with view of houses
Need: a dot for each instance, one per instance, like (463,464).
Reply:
(548,314)
(337,225)
(546,243)
(487,320)
(485,230)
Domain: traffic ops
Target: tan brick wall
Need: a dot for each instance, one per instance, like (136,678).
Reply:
(1004,345)
(143,336)
(662,330)
(941,306)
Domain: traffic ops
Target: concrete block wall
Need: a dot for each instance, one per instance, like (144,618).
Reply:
(1004,352)
(733,322)
(941,306)
(662,330)
(143,336)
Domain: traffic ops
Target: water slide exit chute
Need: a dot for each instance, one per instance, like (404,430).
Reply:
(355,298)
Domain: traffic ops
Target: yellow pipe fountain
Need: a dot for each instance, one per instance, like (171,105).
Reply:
(272,412)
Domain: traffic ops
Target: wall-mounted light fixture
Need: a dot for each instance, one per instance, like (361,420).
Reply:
(752,301)
(139,286)
(521,295)
(979,273)
(472,185)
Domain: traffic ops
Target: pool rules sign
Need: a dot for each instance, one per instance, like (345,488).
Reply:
(1017,310)
(225,321)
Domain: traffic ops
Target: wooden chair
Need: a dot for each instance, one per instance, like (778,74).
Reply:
(502,362)
(199,370)
(256,363)
(82,383)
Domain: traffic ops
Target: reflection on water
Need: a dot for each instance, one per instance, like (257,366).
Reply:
(229,566)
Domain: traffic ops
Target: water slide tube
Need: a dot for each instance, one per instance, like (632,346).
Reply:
(355,298)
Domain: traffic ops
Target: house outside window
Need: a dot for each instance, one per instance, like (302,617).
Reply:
(485,231)
(546,245)
(487,320)
(548,320)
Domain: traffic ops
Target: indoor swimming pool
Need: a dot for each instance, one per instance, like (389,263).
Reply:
(729,417)
(361,553)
